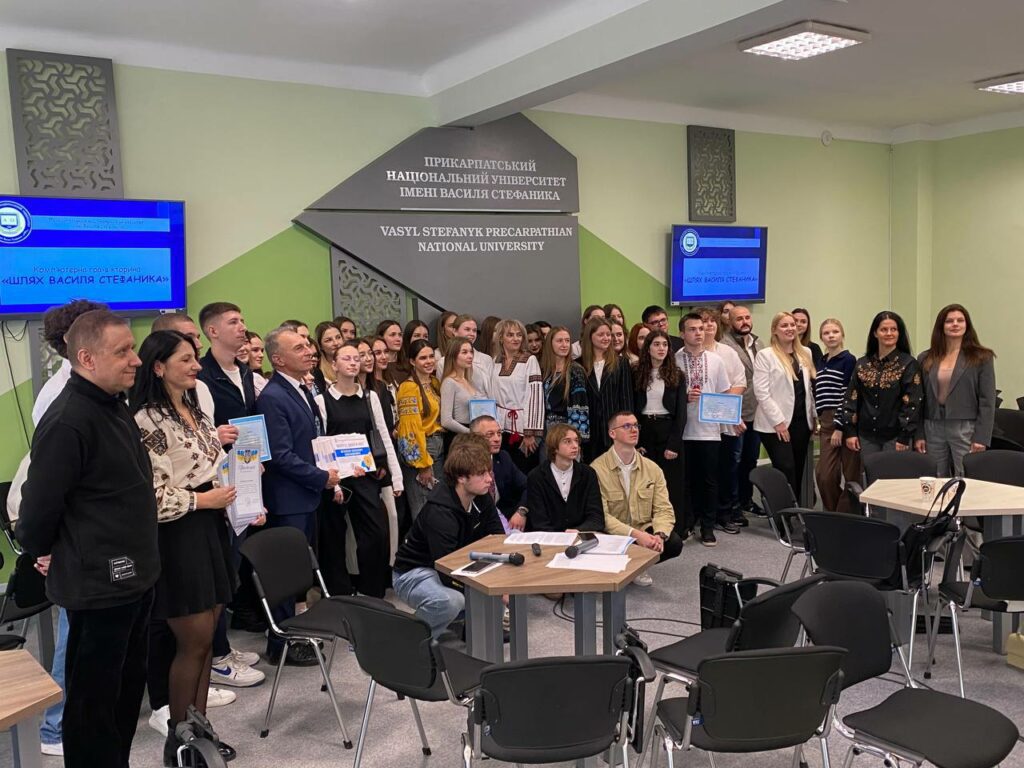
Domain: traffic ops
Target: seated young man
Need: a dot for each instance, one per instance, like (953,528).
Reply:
(562,493)
(458,512)
(634,493)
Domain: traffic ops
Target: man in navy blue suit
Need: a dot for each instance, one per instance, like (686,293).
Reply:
(292,484)
(509,491)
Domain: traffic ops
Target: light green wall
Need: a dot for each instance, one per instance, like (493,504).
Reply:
(826,209)
(978,241)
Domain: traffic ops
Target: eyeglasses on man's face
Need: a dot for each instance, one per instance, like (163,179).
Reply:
(630,427)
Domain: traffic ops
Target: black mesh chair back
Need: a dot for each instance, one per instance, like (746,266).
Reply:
(850,615)
(552,709)
(26,592)
(995,466)
(999,570)
(392,647)
(898,465)
(853,547)
(282,563)
(1009,423)
(774,489)
(754,701)
(767,621)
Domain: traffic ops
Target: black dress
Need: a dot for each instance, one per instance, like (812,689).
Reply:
(614,394)
(366,514)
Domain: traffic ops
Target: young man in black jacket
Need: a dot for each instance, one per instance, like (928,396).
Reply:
(88,512)
(458,512)
(563,494)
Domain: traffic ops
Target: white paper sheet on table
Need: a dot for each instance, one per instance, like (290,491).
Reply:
(590,562)
(607,544)
(546,538)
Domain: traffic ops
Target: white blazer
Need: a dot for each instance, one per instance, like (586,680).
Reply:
(773,388)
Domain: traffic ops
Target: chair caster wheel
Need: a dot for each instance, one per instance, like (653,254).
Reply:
(401,697)
(426,751)
(264,734)
(803,764)
(348,745)
(323,688)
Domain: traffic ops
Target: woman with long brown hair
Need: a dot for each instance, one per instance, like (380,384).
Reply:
(457,388)
(635,342)
(659,402)
(959,392)
(420,442)
(565,385)
(609,383)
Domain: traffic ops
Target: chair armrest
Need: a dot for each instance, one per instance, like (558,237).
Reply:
(641,661)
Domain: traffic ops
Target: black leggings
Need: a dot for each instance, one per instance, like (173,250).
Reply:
(790,458)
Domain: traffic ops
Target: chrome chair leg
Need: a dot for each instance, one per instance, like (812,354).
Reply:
(850,754)
(933,637)
(467,752)
(825,761)
(330,661)
(419,726)
(361,739)
(785,569)
(807,566)
(330,692)
(273,692)
(913,628)
(956,643)
(648,742)
(711,757)
(797,756)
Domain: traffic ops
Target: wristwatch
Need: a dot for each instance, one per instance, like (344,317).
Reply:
(662,536)
(522,511)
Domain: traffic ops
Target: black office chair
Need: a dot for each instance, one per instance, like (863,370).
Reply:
(1000,443)
(995,466)
(765,621)
(912,724)
(754,701)
(892,465)
(1020,403)
(1009,424)
(781,507)
(557,709)
(283,565)
(394,648)
(5,518)
(996,584)
(9,642)
(25,595)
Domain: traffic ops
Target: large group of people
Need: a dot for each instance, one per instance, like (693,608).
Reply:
(476,428)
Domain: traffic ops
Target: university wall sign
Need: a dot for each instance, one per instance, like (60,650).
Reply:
(475,220)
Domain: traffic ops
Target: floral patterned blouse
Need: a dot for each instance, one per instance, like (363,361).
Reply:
(883,401)
(414,425)
(183,458)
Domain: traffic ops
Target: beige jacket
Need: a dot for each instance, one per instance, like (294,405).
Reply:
(647,505)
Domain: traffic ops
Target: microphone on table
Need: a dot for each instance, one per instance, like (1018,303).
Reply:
(579,549)
(511,558)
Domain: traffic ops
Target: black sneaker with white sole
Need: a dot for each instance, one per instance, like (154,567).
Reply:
(707,538)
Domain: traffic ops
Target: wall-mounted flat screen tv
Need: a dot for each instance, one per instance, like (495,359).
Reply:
(128,254)
(712,264)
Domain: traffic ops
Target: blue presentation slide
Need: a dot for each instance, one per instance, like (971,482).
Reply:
(129,254)
(717,263)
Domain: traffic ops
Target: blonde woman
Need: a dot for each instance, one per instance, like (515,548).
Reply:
(835,462)
(785,401)
(609,383)
(518,390)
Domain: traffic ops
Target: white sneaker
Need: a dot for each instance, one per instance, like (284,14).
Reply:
(248,658)
(643,580)
(229,671)
(218,697)
(158,720)
(52,749)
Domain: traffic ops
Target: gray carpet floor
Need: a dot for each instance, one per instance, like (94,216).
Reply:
(305,733)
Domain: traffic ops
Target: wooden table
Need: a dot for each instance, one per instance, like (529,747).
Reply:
(999,506)
(484,606)
(27,692)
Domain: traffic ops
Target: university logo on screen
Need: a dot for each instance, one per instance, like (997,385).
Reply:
(15,222)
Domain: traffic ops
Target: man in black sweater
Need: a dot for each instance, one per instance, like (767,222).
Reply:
(88,513)
(563,494)
(458,512)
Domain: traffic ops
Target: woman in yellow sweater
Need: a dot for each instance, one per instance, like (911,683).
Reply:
(420,437)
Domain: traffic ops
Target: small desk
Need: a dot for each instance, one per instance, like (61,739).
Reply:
(484,607)
(996,504)
(27,692)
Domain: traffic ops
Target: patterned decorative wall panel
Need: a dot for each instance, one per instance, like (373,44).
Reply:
(364,294)
(65,124)
(712,173)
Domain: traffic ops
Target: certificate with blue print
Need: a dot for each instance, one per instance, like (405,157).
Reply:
(720,409)
(482,407)
(252,435)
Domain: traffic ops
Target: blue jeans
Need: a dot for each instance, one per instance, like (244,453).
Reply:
(421,589)
(50,730)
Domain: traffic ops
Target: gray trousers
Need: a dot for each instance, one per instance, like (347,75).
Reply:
(948,441)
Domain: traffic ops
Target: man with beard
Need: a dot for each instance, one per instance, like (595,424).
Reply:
(740,337)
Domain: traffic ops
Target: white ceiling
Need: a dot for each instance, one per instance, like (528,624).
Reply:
(918,67)
(673,60)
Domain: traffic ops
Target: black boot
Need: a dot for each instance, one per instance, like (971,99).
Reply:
(171,745)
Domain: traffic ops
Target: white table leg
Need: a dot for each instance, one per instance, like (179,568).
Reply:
(25,740)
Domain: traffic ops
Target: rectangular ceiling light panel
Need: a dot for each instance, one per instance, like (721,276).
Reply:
(803,40)
(1004,84)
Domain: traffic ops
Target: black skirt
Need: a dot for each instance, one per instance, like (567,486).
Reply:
(195,565)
